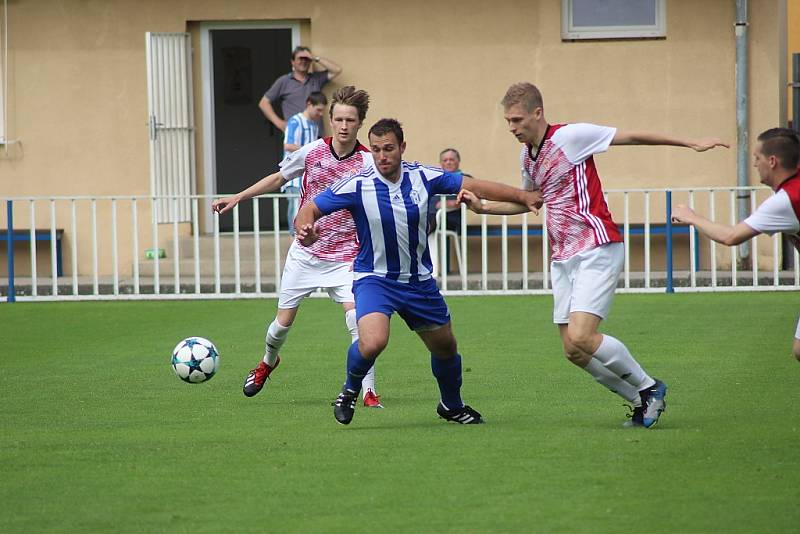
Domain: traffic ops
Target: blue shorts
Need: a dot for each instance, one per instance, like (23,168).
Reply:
(420,305)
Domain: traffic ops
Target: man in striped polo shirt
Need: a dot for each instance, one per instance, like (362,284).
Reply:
(327,264)
(776,158)
(393,271)
(587,249)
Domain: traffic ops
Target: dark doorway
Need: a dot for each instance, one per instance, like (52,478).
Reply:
(248,146)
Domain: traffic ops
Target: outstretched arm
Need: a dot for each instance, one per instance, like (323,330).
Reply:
(646,138)
(476,205)
(721,233)
(532,200)
(268,184)
(304,223)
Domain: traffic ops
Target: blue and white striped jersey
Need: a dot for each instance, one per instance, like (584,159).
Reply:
(299,131)
(390,218)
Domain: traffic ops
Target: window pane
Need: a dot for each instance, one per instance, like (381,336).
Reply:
(613,13)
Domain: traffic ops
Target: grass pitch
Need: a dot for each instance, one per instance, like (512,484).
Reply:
(99,435)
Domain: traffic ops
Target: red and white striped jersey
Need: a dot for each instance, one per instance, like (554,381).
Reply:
(780,212)
(320,167)
(563,169)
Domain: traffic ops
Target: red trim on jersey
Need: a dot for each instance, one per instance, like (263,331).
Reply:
(792,188)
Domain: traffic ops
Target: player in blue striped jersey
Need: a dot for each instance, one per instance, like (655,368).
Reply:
(393,272)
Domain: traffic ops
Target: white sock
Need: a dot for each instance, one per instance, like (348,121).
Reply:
(352,325)
(276,336)
(616,358)
(614,383)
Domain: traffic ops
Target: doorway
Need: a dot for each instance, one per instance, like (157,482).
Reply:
(240,62)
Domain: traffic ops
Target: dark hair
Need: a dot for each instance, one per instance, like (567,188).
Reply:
(317,98)
(524,93)
(298,49)
(385,126)
(350,96)
(782,143)
(453,150)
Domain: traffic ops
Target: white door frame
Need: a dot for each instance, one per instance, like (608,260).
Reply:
(207,74)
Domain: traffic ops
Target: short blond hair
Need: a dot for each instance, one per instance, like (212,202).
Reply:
(524,93)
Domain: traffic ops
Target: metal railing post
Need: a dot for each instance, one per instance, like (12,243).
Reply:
(12,296)
(670,287)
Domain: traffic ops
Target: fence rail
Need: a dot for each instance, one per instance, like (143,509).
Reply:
(117,249)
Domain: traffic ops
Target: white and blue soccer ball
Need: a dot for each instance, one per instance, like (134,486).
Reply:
(195,360)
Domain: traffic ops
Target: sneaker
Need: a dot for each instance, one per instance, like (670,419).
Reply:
(371,400)
(653,403)
(258,377)
(635,416)
(345,406)
(464,415)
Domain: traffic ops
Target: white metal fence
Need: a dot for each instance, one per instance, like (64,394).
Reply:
(114,248)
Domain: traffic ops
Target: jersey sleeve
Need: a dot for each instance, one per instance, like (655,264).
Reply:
(294,164)
(446,183)
(774,215)
(527,183)
(335,198)
(581,140)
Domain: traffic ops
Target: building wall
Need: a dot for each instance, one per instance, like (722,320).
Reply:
(78,99)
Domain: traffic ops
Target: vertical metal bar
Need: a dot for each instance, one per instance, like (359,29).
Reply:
(237,275)
(647,239)
(484,255)
(670,287)
(135,244)
(754,242)
(95,280)
(156,265)
(504,251)
(12,294)
(626,237)
(34,281)
(257,244)
(465,264)
(53,265)
(775,259)
(692,247)
(176,252)
(525,251)
(276,229)
(441,237)
(74,259)
(217,284)
(734,273)
(114,251)
(796,268)
(712,244)
(196,245)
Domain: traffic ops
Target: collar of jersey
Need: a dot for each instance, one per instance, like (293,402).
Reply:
(545,137)
(356,148)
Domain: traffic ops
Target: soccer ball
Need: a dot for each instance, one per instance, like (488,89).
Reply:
(195,360)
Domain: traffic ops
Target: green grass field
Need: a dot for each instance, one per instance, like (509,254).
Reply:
(98,435)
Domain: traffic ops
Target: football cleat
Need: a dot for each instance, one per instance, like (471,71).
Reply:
(635,417)
(258,377)
(371,400)
(344,407)
(464,415)
(653,403)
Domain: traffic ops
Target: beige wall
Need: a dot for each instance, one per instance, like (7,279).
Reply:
(78,100)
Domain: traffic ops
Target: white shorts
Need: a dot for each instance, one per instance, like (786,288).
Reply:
(586,282)
(797,332)
(304,273)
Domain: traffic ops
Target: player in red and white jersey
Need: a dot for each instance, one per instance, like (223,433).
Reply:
(777,159)
(588,253)
(328,263)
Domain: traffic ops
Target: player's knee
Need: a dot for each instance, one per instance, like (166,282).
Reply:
(796,349)
(370,347)
(572,353)
(580,340)
(446,348)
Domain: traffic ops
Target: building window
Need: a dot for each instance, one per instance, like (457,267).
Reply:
(613,19)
